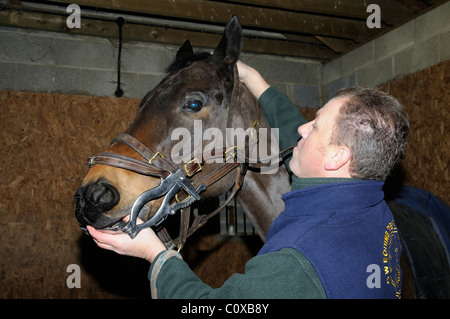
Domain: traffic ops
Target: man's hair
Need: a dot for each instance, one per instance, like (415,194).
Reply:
(374,126)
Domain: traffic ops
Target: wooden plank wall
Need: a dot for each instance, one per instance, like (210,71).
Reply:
(426,97)
(45,140)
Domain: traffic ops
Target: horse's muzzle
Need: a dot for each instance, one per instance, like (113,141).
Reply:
(93,200)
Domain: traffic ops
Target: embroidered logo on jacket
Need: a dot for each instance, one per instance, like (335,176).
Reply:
(391,258)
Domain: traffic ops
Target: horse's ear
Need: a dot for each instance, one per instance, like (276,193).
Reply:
(230,45)
(185,51)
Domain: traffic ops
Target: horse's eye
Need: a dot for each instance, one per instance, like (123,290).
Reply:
(193,106)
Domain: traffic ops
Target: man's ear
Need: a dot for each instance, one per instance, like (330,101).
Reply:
(338,158)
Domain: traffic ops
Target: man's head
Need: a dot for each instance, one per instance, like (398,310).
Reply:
(360,133)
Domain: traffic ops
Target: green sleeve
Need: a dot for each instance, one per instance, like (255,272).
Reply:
(284,274)
(282,114)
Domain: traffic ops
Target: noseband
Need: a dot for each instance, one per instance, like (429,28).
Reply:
(175,179)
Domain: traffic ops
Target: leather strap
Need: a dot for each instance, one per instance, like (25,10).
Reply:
(152,157)
(128,163)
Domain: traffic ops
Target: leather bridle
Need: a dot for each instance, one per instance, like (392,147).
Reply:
(174,179)
(157,166)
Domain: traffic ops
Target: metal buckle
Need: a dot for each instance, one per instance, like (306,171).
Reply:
(255,127)
(181,201)
(189,173)
(90,161)
(231,153)
(154,156)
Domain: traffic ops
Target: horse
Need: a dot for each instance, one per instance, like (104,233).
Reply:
(198,87)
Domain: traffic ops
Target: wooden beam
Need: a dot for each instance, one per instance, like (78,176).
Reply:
(143,33)
(251,17)
(337,45)
(392,11)
(286,48)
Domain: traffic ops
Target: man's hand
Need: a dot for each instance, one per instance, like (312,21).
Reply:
(244,71)
(145,245)
(252,79)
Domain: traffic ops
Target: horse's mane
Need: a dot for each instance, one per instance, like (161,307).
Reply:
(184,61)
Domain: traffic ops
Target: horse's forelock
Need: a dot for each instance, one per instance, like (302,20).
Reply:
(185,61)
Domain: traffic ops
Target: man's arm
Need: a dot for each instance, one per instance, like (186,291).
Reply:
(276,106)
(283,274)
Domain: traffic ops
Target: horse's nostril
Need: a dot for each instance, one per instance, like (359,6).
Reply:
(93,201)
(100,195)
(103,195)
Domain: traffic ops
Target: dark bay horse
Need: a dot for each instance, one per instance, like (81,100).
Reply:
(199,87)
(204,88)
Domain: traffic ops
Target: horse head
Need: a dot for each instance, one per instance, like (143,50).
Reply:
(200,91)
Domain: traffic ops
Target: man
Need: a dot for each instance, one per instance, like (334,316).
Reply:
(336,237)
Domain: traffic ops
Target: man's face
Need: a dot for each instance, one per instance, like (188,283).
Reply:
(314,149)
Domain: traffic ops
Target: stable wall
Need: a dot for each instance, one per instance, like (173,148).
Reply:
(45,140)
(426,95)
(411,47)
(38,61)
